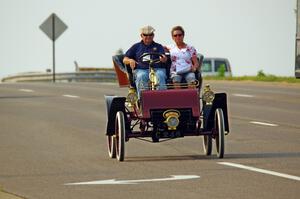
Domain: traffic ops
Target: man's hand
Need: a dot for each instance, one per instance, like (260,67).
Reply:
(130,62)
(163,58)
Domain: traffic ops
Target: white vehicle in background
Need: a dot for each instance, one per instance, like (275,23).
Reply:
(210,66)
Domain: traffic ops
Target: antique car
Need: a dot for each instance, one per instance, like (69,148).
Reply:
(161,115)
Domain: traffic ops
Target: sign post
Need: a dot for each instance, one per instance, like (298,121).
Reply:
(53,27)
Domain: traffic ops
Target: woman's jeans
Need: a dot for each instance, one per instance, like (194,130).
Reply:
(141,77)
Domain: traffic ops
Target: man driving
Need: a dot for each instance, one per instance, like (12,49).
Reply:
(140,67)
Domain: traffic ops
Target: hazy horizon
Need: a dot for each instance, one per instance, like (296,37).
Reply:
(253,34)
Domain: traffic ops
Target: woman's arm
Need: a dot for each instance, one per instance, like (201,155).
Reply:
(195,65)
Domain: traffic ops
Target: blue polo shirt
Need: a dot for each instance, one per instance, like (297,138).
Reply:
(140,48)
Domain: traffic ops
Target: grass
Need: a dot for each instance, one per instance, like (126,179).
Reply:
(266,78)
(261,77)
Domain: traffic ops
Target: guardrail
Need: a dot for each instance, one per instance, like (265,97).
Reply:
(84,76)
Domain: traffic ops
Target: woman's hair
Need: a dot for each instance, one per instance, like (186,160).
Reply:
(177,28)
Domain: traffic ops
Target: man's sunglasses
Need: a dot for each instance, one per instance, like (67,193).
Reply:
(149,35)
(177,35)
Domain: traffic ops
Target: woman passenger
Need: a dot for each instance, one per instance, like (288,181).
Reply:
(184,59)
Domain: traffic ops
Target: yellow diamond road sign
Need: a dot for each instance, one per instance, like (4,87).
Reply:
(53,27)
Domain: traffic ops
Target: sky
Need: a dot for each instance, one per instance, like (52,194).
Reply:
(253,34)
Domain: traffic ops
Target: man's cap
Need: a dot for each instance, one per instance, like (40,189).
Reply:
(147,30)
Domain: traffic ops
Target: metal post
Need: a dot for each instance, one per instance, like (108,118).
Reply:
(53,45)
(53,27)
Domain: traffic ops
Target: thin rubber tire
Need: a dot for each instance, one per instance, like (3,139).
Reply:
(120,136)
(207,144)
(220,130)
(111,148)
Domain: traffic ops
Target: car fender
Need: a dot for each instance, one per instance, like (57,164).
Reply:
(220,101)
(113,105)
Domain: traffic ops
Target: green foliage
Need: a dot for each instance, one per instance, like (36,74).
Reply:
(266,78)
(261,73)
(221,70)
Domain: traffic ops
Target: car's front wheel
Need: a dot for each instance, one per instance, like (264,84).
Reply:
(220,130)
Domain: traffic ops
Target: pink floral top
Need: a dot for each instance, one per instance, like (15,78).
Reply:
(181,58)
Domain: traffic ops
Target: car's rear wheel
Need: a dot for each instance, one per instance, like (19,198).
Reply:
(220,132)
(111,148)
(207,144)
(120,136)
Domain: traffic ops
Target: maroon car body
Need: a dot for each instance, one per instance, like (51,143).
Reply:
(170,99)
(157,110)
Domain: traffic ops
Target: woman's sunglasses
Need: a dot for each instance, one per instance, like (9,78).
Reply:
(177,35)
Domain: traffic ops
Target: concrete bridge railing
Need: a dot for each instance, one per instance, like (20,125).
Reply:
(83,76)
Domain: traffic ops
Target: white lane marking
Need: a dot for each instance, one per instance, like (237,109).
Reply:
(263,123)
(261,170)
(26,90)
(71,96)
(113,181)
(242,95)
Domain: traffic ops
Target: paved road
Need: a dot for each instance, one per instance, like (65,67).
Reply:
(53,134)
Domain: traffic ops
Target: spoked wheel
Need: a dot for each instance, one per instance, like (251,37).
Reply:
(220,130)
(120,135)
(111,146)
(207,144)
